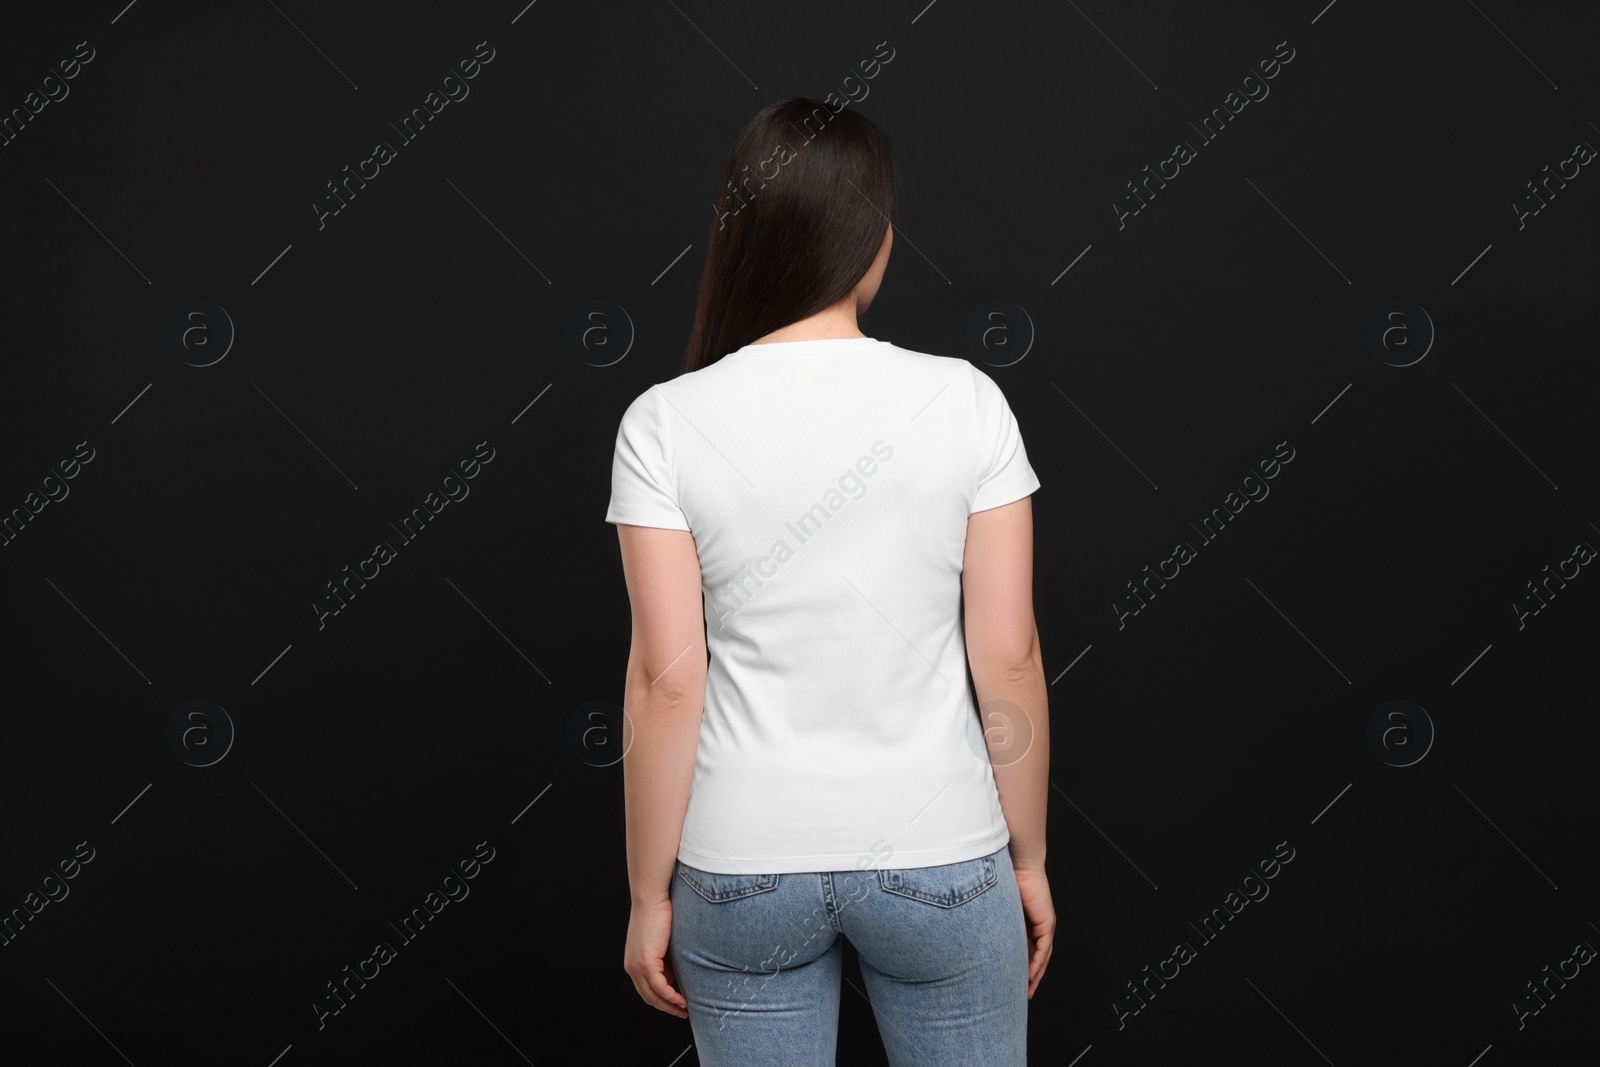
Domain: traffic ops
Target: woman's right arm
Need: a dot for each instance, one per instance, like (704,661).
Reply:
(1003,651)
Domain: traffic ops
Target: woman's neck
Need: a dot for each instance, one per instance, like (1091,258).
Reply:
(835,322)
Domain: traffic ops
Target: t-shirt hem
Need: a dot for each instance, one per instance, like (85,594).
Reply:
(646,517)
(1011,490)
(835,861)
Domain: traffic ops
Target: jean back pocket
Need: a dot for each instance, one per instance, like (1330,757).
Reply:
(944,886)
(718,888)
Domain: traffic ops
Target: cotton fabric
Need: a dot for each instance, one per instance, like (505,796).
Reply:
(828,485)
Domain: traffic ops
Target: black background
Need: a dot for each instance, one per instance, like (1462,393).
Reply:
(433,312)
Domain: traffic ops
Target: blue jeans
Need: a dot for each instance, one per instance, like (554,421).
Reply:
(943,950)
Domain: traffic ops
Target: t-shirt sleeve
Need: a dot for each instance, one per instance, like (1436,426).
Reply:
(642,491)
(1005,474)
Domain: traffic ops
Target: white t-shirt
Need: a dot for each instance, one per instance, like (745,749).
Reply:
(827,484)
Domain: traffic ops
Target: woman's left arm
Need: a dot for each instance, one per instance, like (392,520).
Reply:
(663,698)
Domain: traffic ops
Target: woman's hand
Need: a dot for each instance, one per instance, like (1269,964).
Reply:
(1039,913)
(645,957)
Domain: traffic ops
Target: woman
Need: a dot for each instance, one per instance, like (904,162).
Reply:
(847,524)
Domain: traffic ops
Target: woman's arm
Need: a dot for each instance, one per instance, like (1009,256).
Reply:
(663,697)
(1008,678)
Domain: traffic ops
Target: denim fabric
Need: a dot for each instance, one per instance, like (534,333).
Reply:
(943,950)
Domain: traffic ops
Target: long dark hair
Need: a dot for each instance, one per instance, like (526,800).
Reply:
(806,196)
